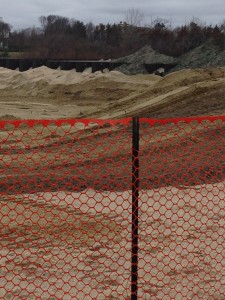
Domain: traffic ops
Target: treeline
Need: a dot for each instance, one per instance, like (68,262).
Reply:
(63,38)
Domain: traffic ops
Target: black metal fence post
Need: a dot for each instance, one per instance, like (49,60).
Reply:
(135,194)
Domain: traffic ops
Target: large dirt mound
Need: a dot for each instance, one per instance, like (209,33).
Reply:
(44,93)
(146,55)
(134,63)
(204,56)
(207,55)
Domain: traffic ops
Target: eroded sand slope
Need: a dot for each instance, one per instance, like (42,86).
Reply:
(46,93)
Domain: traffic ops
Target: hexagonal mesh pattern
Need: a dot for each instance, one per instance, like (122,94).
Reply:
(66,209)
(182,209)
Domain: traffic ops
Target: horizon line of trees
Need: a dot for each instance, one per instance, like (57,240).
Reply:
(60,37)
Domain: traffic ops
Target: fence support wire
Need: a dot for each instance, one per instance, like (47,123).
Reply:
(135,194)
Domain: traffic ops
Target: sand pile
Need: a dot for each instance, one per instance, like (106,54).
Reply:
(47,93)
(50,76)
(43,81)
(134,63)
(44,93)
(189,77)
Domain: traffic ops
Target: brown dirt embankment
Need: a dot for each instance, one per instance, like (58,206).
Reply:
(43,93)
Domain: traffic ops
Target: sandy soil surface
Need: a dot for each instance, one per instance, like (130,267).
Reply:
(45,93)
(81,235)
(65,212)
(85,252)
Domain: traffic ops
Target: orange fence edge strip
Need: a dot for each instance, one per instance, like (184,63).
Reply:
(124,121)
(182,119)
(59,122)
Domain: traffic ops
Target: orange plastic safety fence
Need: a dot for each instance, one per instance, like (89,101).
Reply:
(66,209)
(182,209)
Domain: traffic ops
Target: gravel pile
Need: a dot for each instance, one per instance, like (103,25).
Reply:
(207,55)
(134,63)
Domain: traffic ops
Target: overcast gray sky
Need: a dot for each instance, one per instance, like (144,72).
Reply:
(25,13)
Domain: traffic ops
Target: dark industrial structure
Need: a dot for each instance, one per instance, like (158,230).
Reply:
(80,65)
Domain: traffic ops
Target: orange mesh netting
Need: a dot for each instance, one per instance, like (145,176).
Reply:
(66,209)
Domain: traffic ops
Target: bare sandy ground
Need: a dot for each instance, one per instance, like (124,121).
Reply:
(77,245)
(44,93)
(181,252)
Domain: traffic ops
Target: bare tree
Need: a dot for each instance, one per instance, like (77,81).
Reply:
(54,24)
(134,17)
(161,23)
(90,29)
(5,29)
